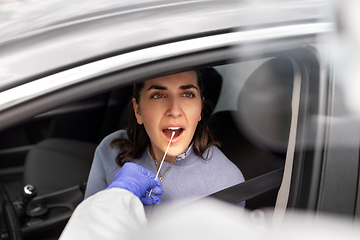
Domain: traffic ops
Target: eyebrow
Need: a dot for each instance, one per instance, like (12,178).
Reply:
(158,87)
(188,87)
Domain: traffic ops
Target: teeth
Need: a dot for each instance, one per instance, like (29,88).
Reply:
(174,128)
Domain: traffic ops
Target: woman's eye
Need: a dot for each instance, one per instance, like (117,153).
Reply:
(157,95)
(188,95)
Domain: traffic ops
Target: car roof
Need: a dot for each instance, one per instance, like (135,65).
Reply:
(42,38)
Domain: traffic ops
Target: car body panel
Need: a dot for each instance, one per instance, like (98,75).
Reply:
(83,40)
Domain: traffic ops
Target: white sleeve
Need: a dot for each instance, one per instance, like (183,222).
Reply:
(109,214)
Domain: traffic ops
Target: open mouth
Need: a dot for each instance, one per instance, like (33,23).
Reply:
(168,131)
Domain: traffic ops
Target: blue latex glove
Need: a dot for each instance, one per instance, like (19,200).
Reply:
(138,180)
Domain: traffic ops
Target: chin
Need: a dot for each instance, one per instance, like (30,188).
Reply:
(176,152)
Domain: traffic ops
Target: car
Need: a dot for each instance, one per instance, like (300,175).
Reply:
(280,111)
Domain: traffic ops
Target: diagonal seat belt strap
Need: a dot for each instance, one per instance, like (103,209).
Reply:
(251,188)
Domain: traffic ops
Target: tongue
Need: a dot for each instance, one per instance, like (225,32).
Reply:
(168,132)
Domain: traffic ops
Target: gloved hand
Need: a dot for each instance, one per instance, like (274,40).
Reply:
(138,180)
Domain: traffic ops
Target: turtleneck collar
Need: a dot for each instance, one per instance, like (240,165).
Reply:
(180,158)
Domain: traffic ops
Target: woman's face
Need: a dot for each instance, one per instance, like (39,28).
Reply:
(167,104)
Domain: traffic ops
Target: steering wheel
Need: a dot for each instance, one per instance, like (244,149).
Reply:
(10,216)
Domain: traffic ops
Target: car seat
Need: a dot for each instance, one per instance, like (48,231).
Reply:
(56,164)
(255,136)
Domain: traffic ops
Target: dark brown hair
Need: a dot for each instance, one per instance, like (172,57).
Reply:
(137,141)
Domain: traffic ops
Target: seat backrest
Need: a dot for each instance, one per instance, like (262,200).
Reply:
(255,136)
(116,111)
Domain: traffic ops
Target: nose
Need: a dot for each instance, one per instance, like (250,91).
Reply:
(174,109)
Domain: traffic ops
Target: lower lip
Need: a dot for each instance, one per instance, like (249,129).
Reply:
(174,140)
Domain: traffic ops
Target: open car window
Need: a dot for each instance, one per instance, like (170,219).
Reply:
(253,111)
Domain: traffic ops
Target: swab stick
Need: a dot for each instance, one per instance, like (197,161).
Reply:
(161,163)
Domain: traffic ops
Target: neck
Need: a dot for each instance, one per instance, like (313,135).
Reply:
(158,159)
(170,159)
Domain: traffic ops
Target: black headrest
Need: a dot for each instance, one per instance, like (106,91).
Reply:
(212,82)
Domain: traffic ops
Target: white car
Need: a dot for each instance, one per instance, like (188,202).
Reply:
(281,111)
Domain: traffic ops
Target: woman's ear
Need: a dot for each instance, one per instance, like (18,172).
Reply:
(137,111)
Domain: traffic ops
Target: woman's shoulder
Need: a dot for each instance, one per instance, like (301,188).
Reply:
(216,163)
(213,152)
(216,157)
(107,140)
(106,155)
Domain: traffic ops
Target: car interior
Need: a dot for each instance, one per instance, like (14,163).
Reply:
(53,151)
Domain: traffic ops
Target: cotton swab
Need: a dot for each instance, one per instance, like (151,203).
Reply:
(161,163)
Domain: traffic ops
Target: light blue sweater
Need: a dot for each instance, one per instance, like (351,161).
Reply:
(186,180)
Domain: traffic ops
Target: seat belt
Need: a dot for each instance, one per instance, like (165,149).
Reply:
(251,188)
(284,191)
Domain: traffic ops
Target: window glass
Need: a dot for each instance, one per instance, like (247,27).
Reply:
(234,76)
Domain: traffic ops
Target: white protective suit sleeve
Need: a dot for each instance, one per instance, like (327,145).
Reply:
(109,214)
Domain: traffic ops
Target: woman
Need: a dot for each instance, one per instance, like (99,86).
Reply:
(194,167)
